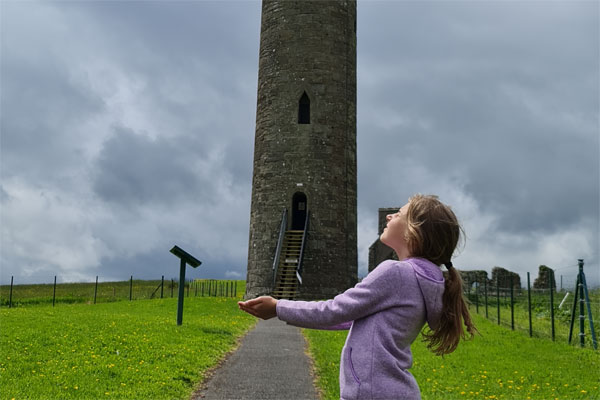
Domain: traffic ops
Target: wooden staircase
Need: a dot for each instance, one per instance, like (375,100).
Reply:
(286,282)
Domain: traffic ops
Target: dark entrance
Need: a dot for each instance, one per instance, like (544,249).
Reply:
(298,211)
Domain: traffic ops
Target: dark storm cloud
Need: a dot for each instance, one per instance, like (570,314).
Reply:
(503,95)
(128,127)
(133,169)
(42,107)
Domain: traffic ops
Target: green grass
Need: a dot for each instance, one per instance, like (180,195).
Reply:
(541,320)
(120,350)
(71,293)
(499,364)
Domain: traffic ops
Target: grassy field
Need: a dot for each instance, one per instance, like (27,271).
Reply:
(119,350)
(70,293)
(499,364)
(133,349)
(541,316)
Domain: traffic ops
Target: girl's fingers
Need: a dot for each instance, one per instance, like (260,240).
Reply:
(253,302)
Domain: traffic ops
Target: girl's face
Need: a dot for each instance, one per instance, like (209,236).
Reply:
(395,233)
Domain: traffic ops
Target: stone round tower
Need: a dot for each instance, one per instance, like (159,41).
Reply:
(304,152)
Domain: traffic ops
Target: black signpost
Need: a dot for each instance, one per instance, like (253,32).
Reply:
(185,258)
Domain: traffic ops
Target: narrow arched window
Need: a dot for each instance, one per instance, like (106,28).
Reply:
(304,109)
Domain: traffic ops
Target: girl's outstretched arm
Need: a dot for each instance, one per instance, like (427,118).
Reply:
(264,307)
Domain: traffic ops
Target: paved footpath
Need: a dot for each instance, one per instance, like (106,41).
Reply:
(270,364)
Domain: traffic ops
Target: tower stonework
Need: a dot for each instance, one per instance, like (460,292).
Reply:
(305,144)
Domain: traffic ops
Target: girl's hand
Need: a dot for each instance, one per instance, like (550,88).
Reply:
(262,307)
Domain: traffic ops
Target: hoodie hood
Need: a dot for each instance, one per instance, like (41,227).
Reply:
(431,282)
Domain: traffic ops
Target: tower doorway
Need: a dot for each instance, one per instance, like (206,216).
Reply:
(299,208)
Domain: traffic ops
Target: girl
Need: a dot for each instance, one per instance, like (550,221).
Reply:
(386,311)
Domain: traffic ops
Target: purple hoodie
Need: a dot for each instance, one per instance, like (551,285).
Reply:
(385,313)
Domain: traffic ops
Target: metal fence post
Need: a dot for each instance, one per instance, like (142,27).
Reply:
(550,280)
(477,296)
(581,306)
(512,305)
(162,285)
(498,297)
(11,290)
(486,299)
(96,289)
(54,292)
(131,288)
(529,303)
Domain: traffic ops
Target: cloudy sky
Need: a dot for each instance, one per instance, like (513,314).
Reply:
(128,127)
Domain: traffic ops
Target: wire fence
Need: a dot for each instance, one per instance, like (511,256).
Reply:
(556,312)
(14,295)
(559,311)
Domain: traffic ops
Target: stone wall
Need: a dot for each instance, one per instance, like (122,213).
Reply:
(542,280)
(502,277)
(470,277)
(378,251)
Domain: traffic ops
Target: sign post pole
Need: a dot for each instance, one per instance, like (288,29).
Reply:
(185,258)
(181,285)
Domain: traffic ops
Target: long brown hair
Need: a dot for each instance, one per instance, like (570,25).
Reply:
(433,232)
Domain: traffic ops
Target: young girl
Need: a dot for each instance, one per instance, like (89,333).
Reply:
(386,311)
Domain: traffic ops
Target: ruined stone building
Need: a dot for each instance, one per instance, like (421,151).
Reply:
(378,251)
(303,227)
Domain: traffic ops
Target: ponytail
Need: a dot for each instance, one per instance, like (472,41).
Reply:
(445,337)
(433,233)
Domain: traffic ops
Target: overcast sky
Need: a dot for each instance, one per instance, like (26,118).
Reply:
(128,127)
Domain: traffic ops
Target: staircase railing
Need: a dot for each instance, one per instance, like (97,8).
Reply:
(282,228)
(304,234)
